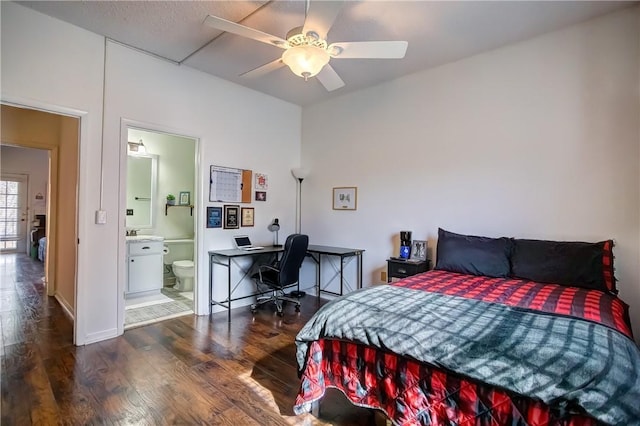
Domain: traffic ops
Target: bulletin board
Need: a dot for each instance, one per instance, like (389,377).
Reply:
(230,185)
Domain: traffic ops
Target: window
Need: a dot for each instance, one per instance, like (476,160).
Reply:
(10,213)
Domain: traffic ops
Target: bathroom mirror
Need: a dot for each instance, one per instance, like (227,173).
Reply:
(142,176)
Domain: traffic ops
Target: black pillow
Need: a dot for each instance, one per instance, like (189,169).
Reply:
(570,263)
(469,254)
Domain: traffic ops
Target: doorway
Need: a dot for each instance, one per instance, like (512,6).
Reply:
(146,212)
(59,136)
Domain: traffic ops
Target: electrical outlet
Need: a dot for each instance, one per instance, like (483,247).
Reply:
(383,276)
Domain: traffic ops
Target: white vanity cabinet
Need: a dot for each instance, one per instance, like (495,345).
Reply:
(144,266)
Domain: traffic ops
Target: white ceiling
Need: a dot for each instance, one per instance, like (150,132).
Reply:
(438,32)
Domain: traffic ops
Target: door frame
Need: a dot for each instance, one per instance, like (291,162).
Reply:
(78,315)
(125,124)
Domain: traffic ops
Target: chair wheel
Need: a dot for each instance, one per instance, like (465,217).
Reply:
(297,308)
(280,314)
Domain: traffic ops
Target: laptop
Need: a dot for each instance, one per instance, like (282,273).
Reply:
(244,243)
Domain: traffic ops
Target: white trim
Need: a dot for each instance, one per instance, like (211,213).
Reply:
(125,124)
(79,323)
(100,336)
(33,104)
(152,321)
(65,306)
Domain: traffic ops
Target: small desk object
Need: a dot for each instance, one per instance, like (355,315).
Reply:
(398,268)
(229,257)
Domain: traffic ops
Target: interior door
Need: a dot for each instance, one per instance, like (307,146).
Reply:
(13,213)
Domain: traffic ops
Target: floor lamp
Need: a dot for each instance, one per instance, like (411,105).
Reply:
(299,174)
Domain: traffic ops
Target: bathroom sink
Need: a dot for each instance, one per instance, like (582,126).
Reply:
(144,238)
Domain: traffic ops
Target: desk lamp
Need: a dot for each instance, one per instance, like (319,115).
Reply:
(275,227)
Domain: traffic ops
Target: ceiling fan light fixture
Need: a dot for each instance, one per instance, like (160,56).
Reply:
(312,37)
(334,50)
(306,61)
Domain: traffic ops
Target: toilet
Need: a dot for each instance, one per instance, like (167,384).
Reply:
(183,270)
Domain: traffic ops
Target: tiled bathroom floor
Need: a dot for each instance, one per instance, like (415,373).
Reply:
(170,304)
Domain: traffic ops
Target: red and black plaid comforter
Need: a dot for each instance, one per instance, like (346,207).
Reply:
(415,393)
(592,305)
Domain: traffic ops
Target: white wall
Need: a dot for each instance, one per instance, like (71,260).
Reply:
(236,127)
(46,62)
(35,164)
(537,139)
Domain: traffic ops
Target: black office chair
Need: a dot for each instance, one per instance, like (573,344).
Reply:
(284,273)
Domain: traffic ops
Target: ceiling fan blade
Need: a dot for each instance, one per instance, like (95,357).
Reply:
(244,31)
(320,16)
(329,78)
(264,69)
(370,49)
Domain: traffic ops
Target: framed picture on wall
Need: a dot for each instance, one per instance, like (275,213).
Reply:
(246,217)
(231,216)
(214,217)
(261,183)
(345,198)
(261,196)
(185,198)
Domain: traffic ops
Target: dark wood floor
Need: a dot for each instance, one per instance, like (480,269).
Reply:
(189,370)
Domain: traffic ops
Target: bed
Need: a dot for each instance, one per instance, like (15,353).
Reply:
(502,332)
(42,248)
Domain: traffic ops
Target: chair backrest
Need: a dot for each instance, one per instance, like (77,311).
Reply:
(295,249)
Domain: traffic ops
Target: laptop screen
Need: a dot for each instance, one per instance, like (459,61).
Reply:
(242,241)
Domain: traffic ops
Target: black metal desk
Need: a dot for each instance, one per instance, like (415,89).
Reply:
(228,257)
(316,253)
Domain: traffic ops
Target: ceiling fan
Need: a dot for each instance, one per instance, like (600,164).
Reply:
(306,51)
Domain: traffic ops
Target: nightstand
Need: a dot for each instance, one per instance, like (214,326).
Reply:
(403,268)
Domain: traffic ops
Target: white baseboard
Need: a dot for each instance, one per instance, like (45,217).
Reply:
(68,309)
(100,336)
(89,338)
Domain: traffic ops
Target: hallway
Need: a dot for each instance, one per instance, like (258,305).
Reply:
(34,329)
(26,314)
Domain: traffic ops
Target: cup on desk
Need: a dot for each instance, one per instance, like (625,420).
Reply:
(404,252)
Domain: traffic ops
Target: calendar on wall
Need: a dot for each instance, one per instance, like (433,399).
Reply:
(228,184)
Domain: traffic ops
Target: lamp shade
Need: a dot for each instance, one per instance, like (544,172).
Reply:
(300,172)
(275,226)
(306,60)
